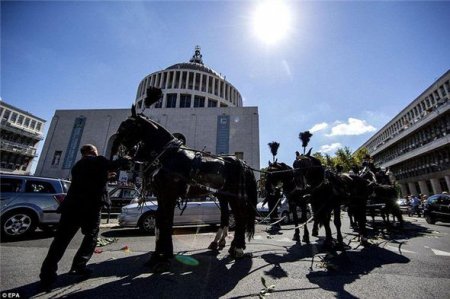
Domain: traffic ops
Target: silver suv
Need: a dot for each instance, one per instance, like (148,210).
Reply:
(28,202)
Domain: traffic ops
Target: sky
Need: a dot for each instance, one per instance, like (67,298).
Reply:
(340,69)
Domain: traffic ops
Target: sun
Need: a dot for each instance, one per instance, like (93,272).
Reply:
(271,21)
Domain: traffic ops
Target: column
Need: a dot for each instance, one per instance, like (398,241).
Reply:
(403,190)
(447,181)
(424,188)
(412,188)
(436,186)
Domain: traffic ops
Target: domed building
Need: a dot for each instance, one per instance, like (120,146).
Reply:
(199,106)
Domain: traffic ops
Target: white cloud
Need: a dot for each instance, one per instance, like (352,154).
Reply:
(318,127)
(353,126)
(330,147)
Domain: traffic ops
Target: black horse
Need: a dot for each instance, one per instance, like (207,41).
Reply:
(294,190)
(329,191)
(383,193)
(173,171)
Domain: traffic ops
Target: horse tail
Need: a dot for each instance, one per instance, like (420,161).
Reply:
(251,190)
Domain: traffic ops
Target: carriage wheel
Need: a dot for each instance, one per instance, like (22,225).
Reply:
(147,224)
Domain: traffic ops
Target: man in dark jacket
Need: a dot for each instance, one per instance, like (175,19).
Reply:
(80,209)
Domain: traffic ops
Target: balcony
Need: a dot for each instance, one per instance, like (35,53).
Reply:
(11,127)
(17,148)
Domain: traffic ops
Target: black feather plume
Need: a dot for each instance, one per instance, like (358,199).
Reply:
(152,96)
(274,148)
(305,137)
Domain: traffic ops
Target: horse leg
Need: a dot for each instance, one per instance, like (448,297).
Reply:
(328,243)
(219,241)
(293,209)
(315,230)
(237,246)
(337,224)
(304,220)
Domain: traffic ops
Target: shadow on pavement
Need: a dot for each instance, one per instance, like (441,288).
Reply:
(346,267)
(211,278)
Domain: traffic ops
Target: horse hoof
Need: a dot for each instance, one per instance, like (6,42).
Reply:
(236,253)
(296,238)
(213,245)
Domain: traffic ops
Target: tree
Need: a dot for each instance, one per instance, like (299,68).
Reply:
(344,158)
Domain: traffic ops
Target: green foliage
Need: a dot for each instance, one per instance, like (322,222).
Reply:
(344,158)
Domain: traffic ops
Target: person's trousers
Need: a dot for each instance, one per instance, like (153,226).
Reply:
(68,226)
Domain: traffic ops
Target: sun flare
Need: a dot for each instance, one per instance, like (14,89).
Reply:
(271,21)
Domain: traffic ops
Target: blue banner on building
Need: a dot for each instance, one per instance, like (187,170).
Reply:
(223,135)
(74,142)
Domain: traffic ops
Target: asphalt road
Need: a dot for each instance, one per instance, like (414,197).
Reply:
(411,263)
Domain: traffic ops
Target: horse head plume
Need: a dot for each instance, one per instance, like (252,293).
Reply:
(305,137)
(274,148)
(152,96)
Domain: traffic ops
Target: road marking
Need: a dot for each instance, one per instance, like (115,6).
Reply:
(440,252)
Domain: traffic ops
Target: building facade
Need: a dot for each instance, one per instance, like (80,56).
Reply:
(415,144)
(198,106)
(19,136)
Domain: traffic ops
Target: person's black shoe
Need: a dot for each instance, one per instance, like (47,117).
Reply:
(81,271)
(46,285)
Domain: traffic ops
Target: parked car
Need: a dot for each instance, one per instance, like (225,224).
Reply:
(121,196)
(28,202)
(283,211)
(198,211)
(403,205)
(437,208)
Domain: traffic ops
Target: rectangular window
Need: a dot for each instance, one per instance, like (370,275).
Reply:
(216,87)
(163,80)
(204,82)
(177,80)
(197,81)
(33,124)
(185,101)
(27,122)
(212,103)
(39,127)
(20,120)
(191,80)
(39,187)
(199,101)
(56,158)
(14,117)
(210,84)
(6,114)
(169,84)
(10,185)
(171,101)
(183,80)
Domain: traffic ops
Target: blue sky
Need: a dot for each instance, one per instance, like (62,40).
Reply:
(341,69)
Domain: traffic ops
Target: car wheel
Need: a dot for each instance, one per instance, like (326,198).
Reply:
(147,224)
(18,223)
(429,219)
(286,219)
